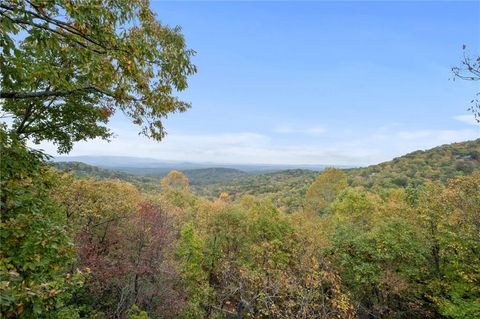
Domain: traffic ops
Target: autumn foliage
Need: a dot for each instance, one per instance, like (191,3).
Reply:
(395,240)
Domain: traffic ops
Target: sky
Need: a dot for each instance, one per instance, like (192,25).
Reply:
(336,83)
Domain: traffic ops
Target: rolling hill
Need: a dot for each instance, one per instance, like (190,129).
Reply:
(287,187)
(197,177)
(437,164)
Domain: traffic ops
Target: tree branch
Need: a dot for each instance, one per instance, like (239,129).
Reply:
(27,115)
(60,24)
(45,94)
(46,28)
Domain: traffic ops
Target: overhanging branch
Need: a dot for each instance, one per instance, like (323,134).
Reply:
(46,94)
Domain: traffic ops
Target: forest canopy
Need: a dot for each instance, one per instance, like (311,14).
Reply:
(400,239)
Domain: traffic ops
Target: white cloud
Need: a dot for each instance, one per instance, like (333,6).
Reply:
(242,147)
(467,119)
(438,136)
(314,130)
(249,147)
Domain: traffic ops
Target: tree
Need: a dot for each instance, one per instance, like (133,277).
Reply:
(450,219)
(470,71)
(175,180)
(67,66)
(148,239)
(92,205)
(325,188)
(247,261)
(36,251)
(356,206)
(380,267)
(124,242)
(379,253)
(135,313)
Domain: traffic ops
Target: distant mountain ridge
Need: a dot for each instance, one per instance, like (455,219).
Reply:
(150,166)
(197,177)
(437,164)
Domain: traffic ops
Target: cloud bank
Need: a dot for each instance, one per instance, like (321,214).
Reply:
(255,148)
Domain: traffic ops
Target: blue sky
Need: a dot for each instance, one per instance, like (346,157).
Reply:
(346,83)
